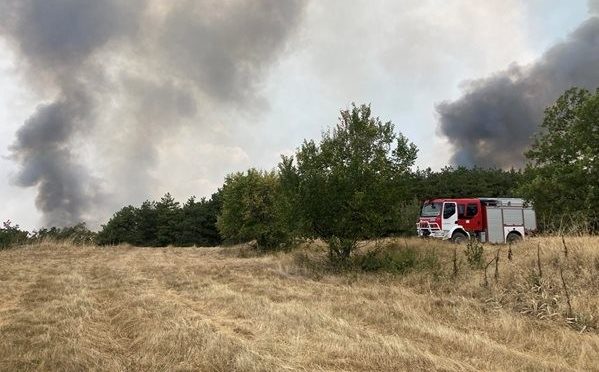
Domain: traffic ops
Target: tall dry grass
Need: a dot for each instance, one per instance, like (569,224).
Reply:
(123,308)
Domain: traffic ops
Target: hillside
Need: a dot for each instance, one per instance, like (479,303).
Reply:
(64,307)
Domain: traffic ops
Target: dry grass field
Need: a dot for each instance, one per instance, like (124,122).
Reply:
(122,308)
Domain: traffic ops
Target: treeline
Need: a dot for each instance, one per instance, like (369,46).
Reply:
(166,222)
(452,182)
(153,224)
(264,206)
(357,182)
(11,234)
(259,207)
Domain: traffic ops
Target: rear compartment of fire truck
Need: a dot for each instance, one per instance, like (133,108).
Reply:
(507,220)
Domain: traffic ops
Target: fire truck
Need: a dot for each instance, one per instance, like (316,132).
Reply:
(493,220)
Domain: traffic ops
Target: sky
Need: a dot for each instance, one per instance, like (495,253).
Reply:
(117,104)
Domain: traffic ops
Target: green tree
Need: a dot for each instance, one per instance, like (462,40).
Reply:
(165,223)
(250,210)
(123,227)
(148,224)
(198,222)
(462,182)
(349,185)
(167,220)
(562,176)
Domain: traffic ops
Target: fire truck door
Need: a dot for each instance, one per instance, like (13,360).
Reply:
(450,215)
(468,217)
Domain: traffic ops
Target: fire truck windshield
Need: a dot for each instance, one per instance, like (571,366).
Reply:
(431,210)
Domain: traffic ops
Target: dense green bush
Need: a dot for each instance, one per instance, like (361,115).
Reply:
(253,209)
(12,235)
(403,217)
(396,261)
(77,234)
(474,253)
(396,258)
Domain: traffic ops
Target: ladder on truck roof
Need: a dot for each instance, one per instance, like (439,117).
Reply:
(504,202)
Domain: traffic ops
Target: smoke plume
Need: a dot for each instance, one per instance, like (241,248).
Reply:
(491,125)
(135,72)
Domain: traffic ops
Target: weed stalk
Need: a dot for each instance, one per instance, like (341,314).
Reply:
(486,284)
(497,265)
(455,262)
(539,260)
(565,246)
(561,274)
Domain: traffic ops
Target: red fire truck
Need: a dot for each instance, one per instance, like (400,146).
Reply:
(493,220)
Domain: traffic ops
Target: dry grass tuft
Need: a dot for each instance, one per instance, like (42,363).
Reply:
(218,309)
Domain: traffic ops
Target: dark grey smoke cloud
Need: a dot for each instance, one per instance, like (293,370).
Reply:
(55,40)
(161,63)
(491,125)
(58,36)
(50,165)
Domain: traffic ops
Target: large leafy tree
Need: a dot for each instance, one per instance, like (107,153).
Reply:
(349,185)
(562,177)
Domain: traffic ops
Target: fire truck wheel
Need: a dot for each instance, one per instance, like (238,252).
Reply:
(458,237)
(513,237)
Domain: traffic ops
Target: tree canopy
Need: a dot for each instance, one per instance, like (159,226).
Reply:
(347,186)
(166,222)
(460,182)
(562,175)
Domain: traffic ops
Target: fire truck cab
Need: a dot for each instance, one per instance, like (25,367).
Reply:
(493,220)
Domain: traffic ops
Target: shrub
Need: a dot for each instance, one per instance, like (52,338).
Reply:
(340,249)
(77,234)
(396,259)
(11,235)
(252,209)
(474,253)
